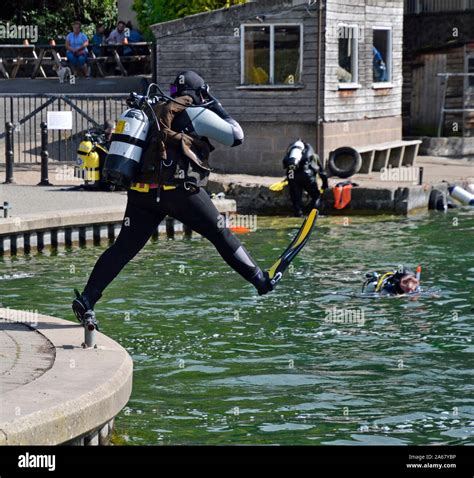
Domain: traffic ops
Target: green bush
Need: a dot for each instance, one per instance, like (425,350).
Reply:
(150,12)
(54,17)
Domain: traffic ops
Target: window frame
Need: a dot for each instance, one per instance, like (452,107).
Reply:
(297,84)
(469,56)
(350,85)
(388,63)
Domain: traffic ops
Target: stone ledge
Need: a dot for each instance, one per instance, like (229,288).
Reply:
(83,390)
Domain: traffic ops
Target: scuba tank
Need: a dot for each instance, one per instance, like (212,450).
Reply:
(91,155)
(125,152)
(294,154)
(207,124)
(87,161)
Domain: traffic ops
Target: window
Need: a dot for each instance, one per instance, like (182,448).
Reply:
(382,55)
(470,69)
(271,54)
(347,71)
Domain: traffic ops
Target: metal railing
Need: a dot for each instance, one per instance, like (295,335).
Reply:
(27,111)
(432,6)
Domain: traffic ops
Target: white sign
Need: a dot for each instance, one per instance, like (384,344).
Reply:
(59,120)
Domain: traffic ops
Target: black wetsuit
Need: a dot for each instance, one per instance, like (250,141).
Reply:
(303,177)
(142,217)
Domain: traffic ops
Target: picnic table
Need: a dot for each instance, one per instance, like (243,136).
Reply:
(54,54)
(114,54)
(20,57)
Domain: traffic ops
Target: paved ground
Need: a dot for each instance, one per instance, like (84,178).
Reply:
(26,198)
(49,392)
(25,355)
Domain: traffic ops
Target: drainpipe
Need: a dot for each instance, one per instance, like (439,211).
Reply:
(319,143)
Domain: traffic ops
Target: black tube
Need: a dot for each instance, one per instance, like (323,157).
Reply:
(8,152)
(420,177)
(44,155)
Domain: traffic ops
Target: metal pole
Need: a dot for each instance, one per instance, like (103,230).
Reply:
(44,155)
(89,336)
(420,176)
(90,328)
(9,153)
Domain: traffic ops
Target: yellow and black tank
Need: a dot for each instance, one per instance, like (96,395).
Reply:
(91,155)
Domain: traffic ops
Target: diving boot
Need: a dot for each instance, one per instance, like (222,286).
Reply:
(83,309)
(262,282)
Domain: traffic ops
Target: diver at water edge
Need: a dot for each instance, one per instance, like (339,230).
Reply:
(397,282)
(303,167)
(168,161)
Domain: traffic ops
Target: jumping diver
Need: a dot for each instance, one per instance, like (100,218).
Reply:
(397,282)
(174,170)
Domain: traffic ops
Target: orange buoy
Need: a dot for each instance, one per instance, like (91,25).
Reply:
(240,229)
(342,195)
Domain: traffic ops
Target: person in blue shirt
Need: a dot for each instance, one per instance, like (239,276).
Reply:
(76,46)
(98,39)
(133,36)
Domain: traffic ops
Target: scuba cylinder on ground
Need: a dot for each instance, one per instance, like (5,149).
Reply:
(461,195)
(128,141)
(91,155)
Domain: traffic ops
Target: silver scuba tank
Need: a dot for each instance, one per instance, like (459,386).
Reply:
(205,123)
(294,154)
(128,141)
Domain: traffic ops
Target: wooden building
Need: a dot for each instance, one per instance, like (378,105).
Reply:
(329,71)
(438,55)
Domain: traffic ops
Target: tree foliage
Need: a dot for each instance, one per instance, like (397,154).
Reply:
(54,17)
(150,12)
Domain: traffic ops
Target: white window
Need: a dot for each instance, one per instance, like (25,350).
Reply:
(382,55)
(348,46)
(271,54)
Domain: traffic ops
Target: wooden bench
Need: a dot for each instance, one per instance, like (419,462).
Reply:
(395,154)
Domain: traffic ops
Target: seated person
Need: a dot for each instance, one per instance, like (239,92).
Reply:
(117,35)
(134,36)
(98,39)
(400,281)
(76,48)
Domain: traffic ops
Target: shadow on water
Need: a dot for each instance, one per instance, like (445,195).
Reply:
(314,363)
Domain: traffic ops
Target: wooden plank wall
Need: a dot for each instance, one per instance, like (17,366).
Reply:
(426,93)
(366,102)
(212,49)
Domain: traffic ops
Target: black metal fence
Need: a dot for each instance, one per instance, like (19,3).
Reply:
(28,111)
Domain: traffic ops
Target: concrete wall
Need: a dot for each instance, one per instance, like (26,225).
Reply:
(263,150)
(360,132)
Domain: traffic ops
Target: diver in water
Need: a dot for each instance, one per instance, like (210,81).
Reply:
(303,166)
(400,281)
(173,170)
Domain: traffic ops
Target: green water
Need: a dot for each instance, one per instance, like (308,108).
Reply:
(216,364)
